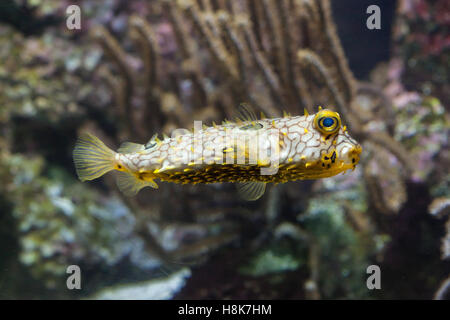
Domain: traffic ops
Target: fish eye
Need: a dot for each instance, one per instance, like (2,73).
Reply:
(327,121)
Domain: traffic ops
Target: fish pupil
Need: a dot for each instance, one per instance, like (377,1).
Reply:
(328,122)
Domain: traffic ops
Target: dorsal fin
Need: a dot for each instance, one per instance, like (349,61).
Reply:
(154,139)
(130,147)
(245,113)
(251,191)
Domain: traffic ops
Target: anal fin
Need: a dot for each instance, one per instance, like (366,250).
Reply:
(251,191)
(130,185)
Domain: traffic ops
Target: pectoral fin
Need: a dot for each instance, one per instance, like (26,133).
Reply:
(130,185)
(251,191)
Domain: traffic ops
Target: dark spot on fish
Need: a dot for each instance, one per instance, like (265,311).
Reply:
(329,166)
(353,160)
(333,157)
(119,166)
(326,158)
(328,136)
(323,164)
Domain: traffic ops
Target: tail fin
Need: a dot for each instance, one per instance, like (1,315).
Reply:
(92,158)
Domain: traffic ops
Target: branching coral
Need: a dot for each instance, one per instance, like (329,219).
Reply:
(192,60)
(421,38)
(229,52)
(61,223)
(298,73)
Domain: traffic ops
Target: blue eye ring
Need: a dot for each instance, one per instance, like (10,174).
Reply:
(327,121)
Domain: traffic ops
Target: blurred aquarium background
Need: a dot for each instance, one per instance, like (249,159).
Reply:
(138,67)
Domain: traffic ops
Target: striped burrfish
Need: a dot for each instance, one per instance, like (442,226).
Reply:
(249,151)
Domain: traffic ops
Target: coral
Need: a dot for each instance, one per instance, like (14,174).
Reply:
(233,46)
(440,208)
(57,221)
(66,224)
(49,83)
(421,38)
(158,289)
(271,260)
(344,245)
(140,67)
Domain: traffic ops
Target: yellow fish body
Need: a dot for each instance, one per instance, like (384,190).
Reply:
(251,152)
